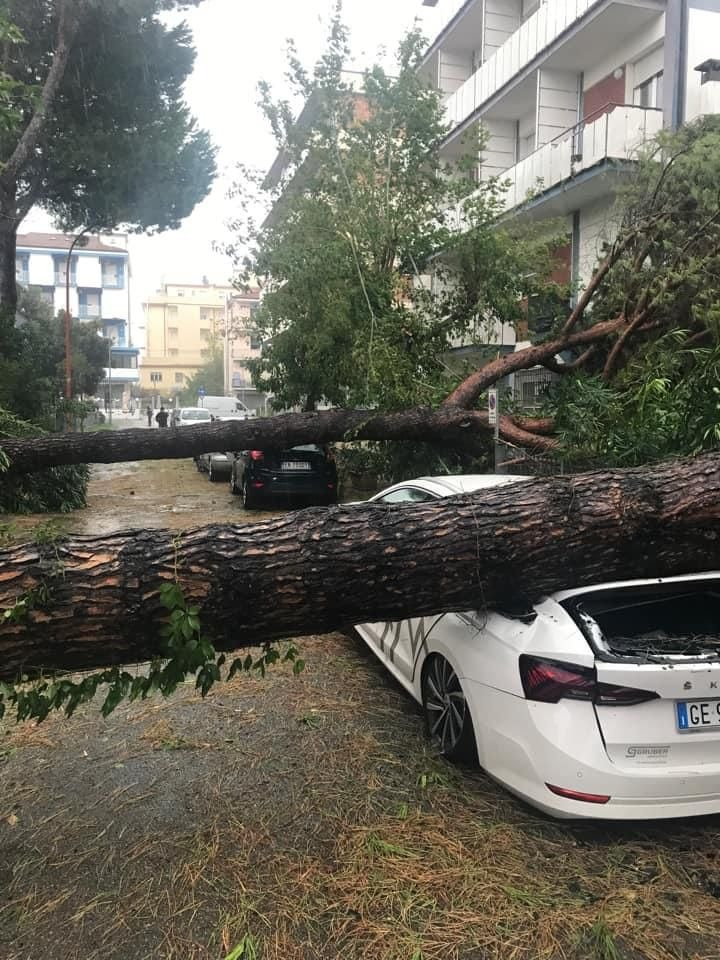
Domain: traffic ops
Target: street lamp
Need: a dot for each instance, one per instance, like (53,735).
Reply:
(68,329)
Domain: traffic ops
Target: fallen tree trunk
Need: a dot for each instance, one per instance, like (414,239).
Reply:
(421,423)
(95,600)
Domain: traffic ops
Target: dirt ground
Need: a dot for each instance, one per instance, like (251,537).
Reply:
(307,817)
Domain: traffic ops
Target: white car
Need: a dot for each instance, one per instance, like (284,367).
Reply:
(190,417)
(599,702)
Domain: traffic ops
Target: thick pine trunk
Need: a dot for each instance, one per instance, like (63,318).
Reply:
(316,570)
(8,284)
(444,425)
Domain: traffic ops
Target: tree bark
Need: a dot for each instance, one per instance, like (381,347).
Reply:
(286,430)
(8,281)
(289,576)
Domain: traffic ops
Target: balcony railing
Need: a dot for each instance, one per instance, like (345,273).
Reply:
(618,134)
(88,311)
(530,39)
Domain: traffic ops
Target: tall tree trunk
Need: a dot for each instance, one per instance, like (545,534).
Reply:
(94,600)
(445,425)
(8,283)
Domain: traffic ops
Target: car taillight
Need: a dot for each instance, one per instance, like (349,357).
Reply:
(257,455)
(549,681)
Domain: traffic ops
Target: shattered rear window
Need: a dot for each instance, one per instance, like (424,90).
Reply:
(675,620)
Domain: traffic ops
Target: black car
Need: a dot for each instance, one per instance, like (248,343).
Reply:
(305,475)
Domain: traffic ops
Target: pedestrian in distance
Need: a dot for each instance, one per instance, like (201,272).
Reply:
(148,414)
(162,417)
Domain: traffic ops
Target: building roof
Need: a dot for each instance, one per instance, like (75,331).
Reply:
(62,241)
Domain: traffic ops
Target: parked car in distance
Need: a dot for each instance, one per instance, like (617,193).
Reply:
(218,466)
(301,475)
(597,702)
(189,416)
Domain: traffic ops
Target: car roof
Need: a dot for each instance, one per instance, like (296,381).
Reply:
(453,484)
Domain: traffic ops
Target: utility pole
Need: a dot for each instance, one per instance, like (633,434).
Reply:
(68,331)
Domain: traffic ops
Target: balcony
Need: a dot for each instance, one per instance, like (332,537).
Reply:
(617,135)
(89,311)
(547,33)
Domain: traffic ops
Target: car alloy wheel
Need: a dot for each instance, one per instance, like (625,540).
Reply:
(446,711)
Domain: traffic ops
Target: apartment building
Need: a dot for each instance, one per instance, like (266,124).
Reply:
(243,344)
(98,287)
(567,92)
(185,324)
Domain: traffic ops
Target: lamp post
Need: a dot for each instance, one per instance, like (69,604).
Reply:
(110,396)
(68,331)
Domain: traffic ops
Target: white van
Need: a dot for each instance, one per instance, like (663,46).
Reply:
(224,406)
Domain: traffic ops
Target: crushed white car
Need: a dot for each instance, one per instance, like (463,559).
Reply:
(599,702)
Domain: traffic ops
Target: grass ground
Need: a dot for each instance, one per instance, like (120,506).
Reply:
(307,817)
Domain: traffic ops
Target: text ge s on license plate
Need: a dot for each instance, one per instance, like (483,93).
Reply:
(295,465)
(694,715)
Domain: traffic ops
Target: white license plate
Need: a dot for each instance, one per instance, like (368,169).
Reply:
(692,715)
(295,465)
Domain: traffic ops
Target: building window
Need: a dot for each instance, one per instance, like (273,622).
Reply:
(60,265)
(22,268)
(89,304)
(179,378)
(113,273)
(649,93)
(203,314)
(123,361)
(47,294)
(173,352)
(204,333)
(172,331)
(155,376)
(255,341)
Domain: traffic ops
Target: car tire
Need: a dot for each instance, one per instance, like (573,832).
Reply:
(248,499)
(234,488)
(447,714)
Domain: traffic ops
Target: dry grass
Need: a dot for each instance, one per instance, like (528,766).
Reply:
(306,817)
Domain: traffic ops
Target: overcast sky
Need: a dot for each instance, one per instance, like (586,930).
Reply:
(239,43)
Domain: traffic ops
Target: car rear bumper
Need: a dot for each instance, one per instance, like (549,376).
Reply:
(526,745)
(287,488)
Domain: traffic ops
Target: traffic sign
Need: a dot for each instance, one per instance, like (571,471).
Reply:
(492,407)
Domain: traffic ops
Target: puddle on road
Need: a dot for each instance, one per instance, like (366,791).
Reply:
(147,494)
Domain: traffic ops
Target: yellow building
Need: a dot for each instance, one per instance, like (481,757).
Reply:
(183,323)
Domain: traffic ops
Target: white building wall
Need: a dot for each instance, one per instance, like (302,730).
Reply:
(499,153)
(598,225)
(454,70)
(703,44)
(88,272)
(41,270)
(628,51)
(557,103)
(502,19)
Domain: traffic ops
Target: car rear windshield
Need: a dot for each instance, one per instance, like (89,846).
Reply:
(660,621)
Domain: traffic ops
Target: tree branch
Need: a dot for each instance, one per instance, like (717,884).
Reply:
(67,28)
(469,390)
(563,368)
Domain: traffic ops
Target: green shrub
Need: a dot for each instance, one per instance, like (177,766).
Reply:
(55,490)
